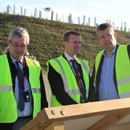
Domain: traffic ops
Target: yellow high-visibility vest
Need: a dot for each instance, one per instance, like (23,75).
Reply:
(62,67)
(8,104)
(122,69)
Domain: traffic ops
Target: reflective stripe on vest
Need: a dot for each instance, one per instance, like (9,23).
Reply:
(84,66)
(33,62)
(34,74)
(125,95)
(36,90)
(70,92)
(6,89)
(123,81)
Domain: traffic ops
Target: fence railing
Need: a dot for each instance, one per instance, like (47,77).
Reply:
(54,16)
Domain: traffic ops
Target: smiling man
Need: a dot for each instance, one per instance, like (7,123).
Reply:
(22,91)
(69,76)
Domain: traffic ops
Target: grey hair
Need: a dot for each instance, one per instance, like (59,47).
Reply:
(6,50)
(19,32)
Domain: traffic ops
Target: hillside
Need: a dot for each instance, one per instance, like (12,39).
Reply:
(46,37)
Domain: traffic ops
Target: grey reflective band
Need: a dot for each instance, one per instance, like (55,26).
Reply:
(33,61)
(85,67)
(70,92)
(6,89)
(122,81)
(36,90)
(94,85)
(63,76)
(74,92)
(125,95)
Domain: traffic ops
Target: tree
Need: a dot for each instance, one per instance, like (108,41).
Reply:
(47,9)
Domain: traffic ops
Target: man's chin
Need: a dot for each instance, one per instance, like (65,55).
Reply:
(18,57)
(108,47)
(77,52)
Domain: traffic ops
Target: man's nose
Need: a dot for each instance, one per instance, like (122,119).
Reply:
(106,38)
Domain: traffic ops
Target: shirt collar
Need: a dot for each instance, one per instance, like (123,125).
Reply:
(68,57)
(14,60)
(113,51)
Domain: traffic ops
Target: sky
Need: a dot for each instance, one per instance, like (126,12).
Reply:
(117,12)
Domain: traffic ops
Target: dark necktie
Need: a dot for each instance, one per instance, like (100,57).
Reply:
(74,64)
(21,101)
(79,81)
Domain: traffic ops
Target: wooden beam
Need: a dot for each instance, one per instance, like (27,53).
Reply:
(122,126)
(69,112)
(109,120)
(37,122)
(87,109)
(58,125)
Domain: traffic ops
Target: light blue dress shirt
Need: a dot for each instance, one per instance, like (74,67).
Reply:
(107,88)
(28,105)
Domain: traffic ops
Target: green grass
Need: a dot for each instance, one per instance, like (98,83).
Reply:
(46,37)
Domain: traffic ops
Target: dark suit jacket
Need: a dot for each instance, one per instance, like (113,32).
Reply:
(57,87)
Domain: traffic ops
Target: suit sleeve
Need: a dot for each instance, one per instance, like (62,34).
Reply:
(128,50)
(57,87)
(92,93)
(44,102)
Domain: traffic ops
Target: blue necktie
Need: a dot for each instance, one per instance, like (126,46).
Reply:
(21,101)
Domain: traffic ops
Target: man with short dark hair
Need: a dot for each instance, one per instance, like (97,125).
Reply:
(111,74)
(69,76)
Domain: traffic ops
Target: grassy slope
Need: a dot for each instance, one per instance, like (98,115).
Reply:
(46,37)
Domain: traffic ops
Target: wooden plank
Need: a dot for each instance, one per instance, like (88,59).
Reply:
(82,123)
(58,125)
(109,120)
(123,126)
(32,124)
(37,122)
(87,109)
(70,112)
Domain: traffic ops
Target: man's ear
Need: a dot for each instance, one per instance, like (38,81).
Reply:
(64,43)
(115,35)
(97,38)
(8,43)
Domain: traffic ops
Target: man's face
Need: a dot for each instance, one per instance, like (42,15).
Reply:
(17,47)
(72,47)
(107,39)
